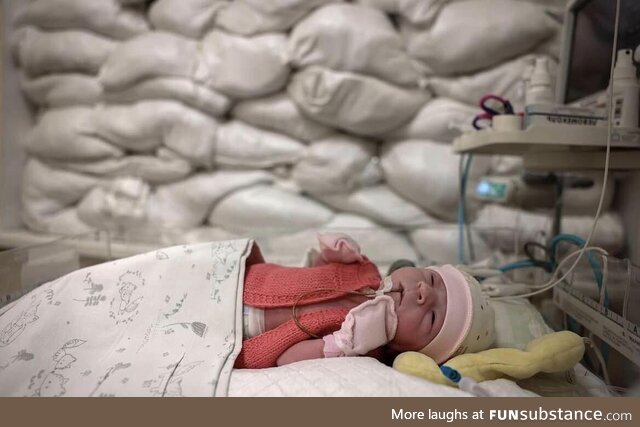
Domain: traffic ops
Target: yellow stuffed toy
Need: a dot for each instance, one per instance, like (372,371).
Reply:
(555,352)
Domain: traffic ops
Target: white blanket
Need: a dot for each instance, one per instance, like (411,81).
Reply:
(164,323)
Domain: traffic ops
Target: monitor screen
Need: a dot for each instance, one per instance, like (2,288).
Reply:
(589,58)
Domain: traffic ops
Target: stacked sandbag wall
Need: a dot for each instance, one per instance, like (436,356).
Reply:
(186,120)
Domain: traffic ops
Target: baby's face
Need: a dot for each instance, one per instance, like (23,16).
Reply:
(421,306)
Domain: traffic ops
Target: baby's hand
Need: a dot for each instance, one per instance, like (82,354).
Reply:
(338,247)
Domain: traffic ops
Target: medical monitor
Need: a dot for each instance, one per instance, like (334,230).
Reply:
(587,46)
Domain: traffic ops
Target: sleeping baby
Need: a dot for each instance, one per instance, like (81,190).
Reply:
(340,306)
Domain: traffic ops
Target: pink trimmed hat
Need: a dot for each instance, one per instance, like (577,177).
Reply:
(469,323)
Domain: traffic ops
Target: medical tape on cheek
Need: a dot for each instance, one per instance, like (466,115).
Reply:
(385,286)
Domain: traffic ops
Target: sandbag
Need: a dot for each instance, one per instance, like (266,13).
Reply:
(62,90)
(379,203)
(242,145)
(149,124)
(441,119)
(163,168)
(426,173)
(354,38)
(250,17)
(471,35)
(106,17)
(359,104)
(221,61)
(120,203)
(39,53)
(505,80)
(48,198)
(187,203)
(191,18)
(266,209)
(537,226)
(337,164)
(194,95)
(68,134)
(438,244)
(245,67)
(420,12)
(280,114)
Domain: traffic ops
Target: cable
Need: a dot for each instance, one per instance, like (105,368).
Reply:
(463,168)
(603,365)
(606,165)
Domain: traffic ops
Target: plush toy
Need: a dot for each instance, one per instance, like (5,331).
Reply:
(555,352)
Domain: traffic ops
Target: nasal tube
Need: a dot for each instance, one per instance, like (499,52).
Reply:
(625,92)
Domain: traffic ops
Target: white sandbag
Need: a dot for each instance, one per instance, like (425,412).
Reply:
(187,203)
(245,67)
(249,17)
(236,66)
(122,202)
(537,226)
(354,38)
(139,59)
(39,53)
(415,11)
(505,80)
(379,203)
(336,164)
(242,145)
(441,119)
(191,18)
(62,90)
(184,90)
(506,165)
(584,201)
(47,190)
(280,114)
(426,173)
(106,17)
(48,196)
(68,134)
(471,35)
(359,104)
(149,124)
(163,168)
(267,209)
(438,244)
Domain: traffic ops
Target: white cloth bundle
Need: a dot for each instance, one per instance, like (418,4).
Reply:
(38,52)
(471,35)
(414,11)
(62,90)
(360,104)
(163,168)
(242,145)
(504,80)
(336,164)
(426,173)
(48,198)
(536,226)
(249,17)
(148,125)
(191,18)
(68,134)
(221,61)
(187,203)
(438,244)
(349,37)
(267,209)
(106,17)
(280,114)
(379,203)
(188,92)
(441,119)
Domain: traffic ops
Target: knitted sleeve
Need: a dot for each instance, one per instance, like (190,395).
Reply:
(263,351)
